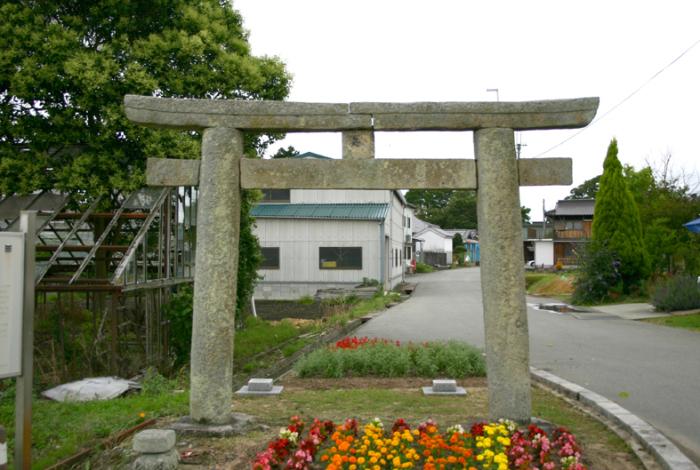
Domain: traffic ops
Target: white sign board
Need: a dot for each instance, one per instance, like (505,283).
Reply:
(11,301)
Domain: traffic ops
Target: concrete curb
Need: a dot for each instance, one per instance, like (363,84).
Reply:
(665,452)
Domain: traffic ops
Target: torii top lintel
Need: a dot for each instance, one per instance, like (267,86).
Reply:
(328,117)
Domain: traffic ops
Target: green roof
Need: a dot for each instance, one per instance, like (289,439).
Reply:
(322,211)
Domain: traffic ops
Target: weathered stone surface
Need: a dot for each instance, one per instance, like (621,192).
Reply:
(545,171)
(154,441)
(444,385)
(533,172)
(240,114)
(231,424)
(524,115)
(358,145)
(502,276)
(247,392)
(172,172)
(165,461)
(218,226)
(309,117)
(260,385)
(358,174)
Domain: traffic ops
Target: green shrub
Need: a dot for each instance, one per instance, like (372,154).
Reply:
(452,359)
(178,312)
(424,268)
(677,293)
(306,300)
(598,275)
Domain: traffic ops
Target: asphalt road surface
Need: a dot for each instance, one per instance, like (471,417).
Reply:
(651,370)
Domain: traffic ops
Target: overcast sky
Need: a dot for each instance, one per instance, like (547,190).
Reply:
(405,51)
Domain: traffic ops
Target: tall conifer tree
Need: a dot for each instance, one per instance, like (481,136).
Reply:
(616,223)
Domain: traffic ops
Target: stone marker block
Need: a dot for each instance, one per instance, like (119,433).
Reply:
(260,385)
(154,441)
(165,461)
(444,385)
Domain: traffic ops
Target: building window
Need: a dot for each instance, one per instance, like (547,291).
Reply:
(275,195)
(270,258)
(407,252)
(340,257)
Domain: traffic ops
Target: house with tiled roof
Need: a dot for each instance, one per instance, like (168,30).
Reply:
(562,238)
(315,239)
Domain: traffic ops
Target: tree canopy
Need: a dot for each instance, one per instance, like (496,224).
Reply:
(617,224)
(66,66)
(449,208)
(665,203)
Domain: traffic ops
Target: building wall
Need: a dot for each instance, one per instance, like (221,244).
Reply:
(544,253)
(395,231)
(434,242)
(299,242)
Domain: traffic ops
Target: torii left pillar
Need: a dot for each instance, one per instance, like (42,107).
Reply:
(218,227)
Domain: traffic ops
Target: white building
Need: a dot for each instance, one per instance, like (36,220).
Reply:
(318,239)
(433,245)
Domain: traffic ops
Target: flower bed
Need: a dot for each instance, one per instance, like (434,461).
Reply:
(359,357)
(499,446)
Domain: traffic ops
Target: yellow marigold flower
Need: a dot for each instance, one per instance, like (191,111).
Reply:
(396,461)
(501,458)
(487,442)
(503,440)
(352,467)
(360,460)
(407,465)
(479,457)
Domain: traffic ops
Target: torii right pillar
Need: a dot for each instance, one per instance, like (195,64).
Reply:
(502,275)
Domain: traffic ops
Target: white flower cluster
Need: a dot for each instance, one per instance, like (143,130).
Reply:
(457,428)
(289,435)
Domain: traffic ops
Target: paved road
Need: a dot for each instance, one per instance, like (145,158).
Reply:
(651,370)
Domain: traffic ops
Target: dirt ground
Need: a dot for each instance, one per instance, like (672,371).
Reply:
(237,452)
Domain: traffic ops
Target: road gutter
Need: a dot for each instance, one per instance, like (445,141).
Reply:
(667,455)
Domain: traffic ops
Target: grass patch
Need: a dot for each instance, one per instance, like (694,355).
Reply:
(260,335)
(59,430)
(689,322)
(386,359)
(558,285)
(352,308)
(424,268)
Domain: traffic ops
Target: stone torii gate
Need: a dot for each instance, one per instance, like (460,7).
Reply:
(222,173)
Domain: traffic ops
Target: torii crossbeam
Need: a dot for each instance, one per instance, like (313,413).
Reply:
(222,173)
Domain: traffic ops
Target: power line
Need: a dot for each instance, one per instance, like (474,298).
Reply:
(602,116)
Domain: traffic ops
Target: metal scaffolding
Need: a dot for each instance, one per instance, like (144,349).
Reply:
(118,267)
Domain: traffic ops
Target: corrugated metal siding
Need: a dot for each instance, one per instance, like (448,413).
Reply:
(322,211)
(299,243)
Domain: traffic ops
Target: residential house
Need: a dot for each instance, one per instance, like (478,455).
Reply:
(433,244)
(317,239)
(572,223)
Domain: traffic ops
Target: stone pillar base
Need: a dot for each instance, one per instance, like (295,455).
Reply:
(239,423)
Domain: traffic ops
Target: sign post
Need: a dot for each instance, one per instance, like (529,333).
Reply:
(17,251)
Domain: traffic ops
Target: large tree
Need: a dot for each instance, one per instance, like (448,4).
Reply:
(617,224)
(65,67)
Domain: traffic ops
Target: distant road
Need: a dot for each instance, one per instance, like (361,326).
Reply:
(651,370)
